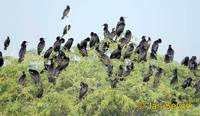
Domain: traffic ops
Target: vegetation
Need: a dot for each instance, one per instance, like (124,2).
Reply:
(101,100)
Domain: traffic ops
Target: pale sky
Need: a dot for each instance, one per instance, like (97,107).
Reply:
(177,22)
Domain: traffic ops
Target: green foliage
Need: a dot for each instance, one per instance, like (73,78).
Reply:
(101,99)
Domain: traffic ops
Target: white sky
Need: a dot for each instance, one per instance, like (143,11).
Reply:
(177,22)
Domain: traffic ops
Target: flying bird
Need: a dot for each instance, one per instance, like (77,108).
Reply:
(6,43)
(40,46)
(66,12)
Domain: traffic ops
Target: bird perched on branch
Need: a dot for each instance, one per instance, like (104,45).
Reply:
(66,12)
(175,77)
(170,55)
(120,27)
(22,51)
(83,90)
(57,43)
(48,52)
(68,44)
(66,30)
(116,54)
(6,43)
(1,59)
(35,75)
(40,46)
(22,79)
(148,75)
(185,61)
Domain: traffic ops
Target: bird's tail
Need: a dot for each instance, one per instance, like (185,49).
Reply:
(5,48)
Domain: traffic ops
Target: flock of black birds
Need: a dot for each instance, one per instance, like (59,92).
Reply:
(59,61)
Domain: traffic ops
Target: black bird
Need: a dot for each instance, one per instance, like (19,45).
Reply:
(94,40)
(185,61)
(109,70)
(40,46)
(22,79)
(129,51)
(35,75)
(114,83)
(127,36)
(105,46)
(197,87)
(83,90)
(51,71)
(66,30)
(187,83)
(116,54)
(120,71)
(112,34)
(175,77)
(141,44)
(6,43)
(83,47)
(1,59)
(106,31)
(39,92)
(66,12)
(158,75)
(57,44)
(128,69)
(68,44)
(154,48)
(142,55)
(148,44)
(62,65)
(193,63)
(148,75)
(48,52)
(85,42)
(170,55)
(82,50)
(120,27)
(22,51)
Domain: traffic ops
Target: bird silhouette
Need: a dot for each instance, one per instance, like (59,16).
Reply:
(94,40)
(22,51)
(83,90)
(6,43)
(148,74)
(57,43)
(40,46)
(158,75)
(170,55)
(185,61)
(66,30)
(68,44)
(187,83)
(1,59)
(66,12)
(129,51)
(48,52)
(35,75)
(120,27)
(22,79)
(175,77)
(116,54)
